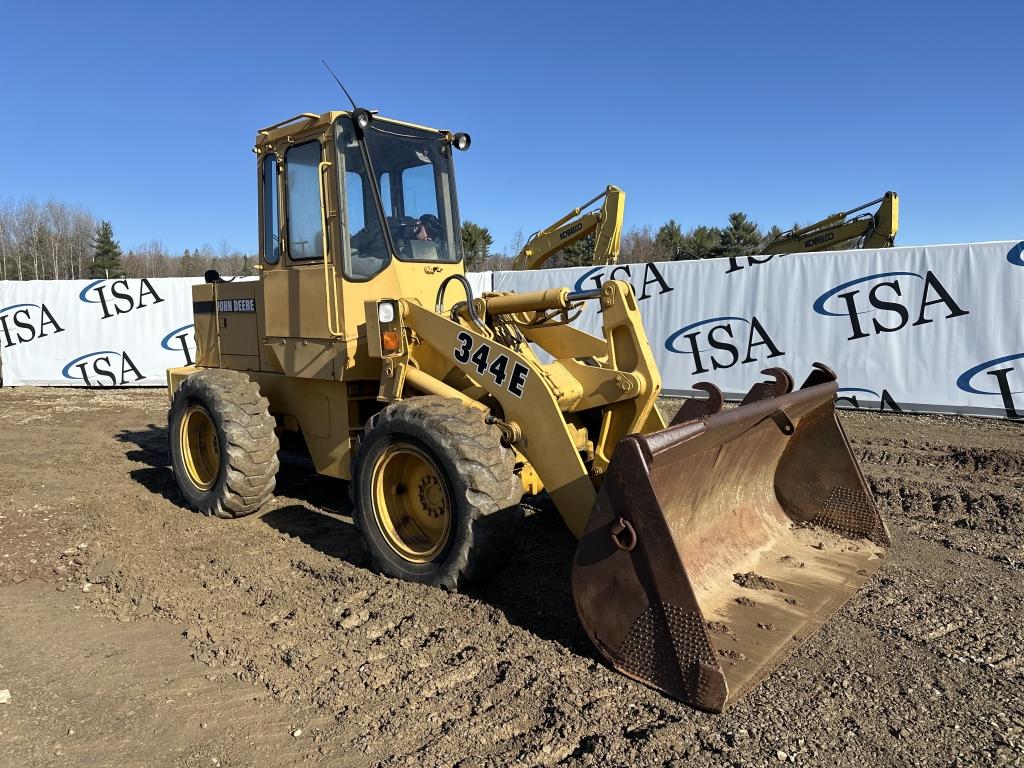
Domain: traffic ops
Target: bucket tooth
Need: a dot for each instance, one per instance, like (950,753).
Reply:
(781,384)
(719,544)
(696,408)
(820,374)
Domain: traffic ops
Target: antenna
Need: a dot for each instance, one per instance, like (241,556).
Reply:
(339,84)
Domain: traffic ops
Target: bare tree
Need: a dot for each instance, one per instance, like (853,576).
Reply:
(55,240)
(42,242)
(638,245)
(6,236)
(516,245)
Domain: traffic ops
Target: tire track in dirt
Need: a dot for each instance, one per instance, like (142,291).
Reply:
(133,697)
(921,666)
(965,497)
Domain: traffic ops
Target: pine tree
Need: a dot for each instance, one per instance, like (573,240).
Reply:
(740,238)
(187,265)
(106,254)
(669,241)
(701,242)
(770,237)
(579,254)
(476,242)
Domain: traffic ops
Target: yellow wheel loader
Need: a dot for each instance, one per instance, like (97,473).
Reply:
(708,548)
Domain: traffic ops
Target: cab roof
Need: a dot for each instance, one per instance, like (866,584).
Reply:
(308,120)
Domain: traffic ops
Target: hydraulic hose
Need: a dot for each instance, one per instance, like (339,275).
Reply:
(470,306)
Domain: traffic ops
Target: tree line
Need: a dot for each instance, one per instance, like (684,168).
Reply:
(55,240)
(740,237)
(58,241)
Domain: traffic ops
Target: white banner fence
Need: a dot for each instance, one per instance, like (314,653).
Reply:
(933,329)
(98,333)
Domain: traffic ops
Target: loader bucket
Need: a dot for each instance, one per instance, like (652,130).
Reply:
(718,545)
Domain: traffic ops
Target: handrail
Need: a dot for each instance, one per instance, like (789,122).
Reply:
(269,128)
(330,276)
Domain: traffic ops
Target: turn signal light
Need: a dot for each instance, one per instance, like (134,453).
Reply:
(389,341)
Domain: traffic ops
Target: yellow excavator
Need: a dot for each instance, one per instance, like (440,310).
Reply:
(604,223)
(877,230)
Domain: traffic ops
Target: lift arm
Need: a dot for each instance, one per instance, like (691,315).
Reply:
(876,230)
(605,223)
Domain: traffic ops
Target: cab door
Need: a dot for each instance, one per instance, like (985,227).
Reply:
(301,316)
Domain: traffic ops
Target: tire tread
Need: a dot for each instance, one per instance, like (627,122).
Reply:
(250,452)
(485,468)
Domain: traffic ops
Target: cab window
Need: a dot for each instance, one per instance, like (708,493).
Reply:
(365,251)
(302,204)
(356,204)
(271,222)
(385,194)
(418,191)
(421,214)
(414,174)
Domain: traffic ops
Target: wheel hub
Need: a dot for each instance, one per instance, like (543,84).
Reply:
(432,496)
(200,447)
(412,502)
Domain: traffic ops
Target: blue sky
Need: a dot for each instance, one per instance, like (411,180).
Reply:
(145,112)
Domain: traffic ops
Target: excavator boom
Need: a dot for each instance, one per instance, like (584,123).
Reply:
(876,230)
(604,223)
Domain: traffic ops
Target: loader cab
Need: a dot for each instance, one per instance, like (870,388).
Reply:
(350,212)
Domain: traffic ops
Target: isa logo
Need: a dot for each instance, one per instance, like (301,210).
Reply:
(752,261)
(118,297)
(1016,255)
(719,341)
(893,298)
(181,340)
(858,397)
(652,282)
(103,368)
(22,323)
(1001,377)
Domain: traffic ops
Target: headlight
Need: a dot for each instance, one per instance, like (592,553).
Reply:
(386,311)
(362,117)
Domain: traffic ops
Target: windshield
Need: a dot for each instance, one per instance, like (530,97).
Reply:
(414,174)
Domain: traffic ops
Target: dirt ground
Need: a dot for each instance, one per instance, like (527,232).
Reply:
(134,632)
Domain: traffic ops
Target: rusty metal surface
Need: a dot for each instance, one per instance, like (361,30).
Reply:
(781,384)
(696,408)
(744,536)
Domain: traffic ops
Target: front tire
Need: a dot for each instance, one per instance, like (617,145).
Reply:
(435,494)
(222,443)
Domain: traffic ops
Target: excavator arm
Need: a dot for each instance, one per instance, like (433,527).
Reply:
(605,223)
(876,230)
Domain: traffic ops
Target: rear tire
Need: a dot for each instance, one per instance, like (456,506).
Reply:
(222,443)
(435,494)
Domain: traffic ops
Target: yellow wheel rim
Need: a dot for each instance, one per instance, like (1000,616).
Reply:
(200,448)
(411,502)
